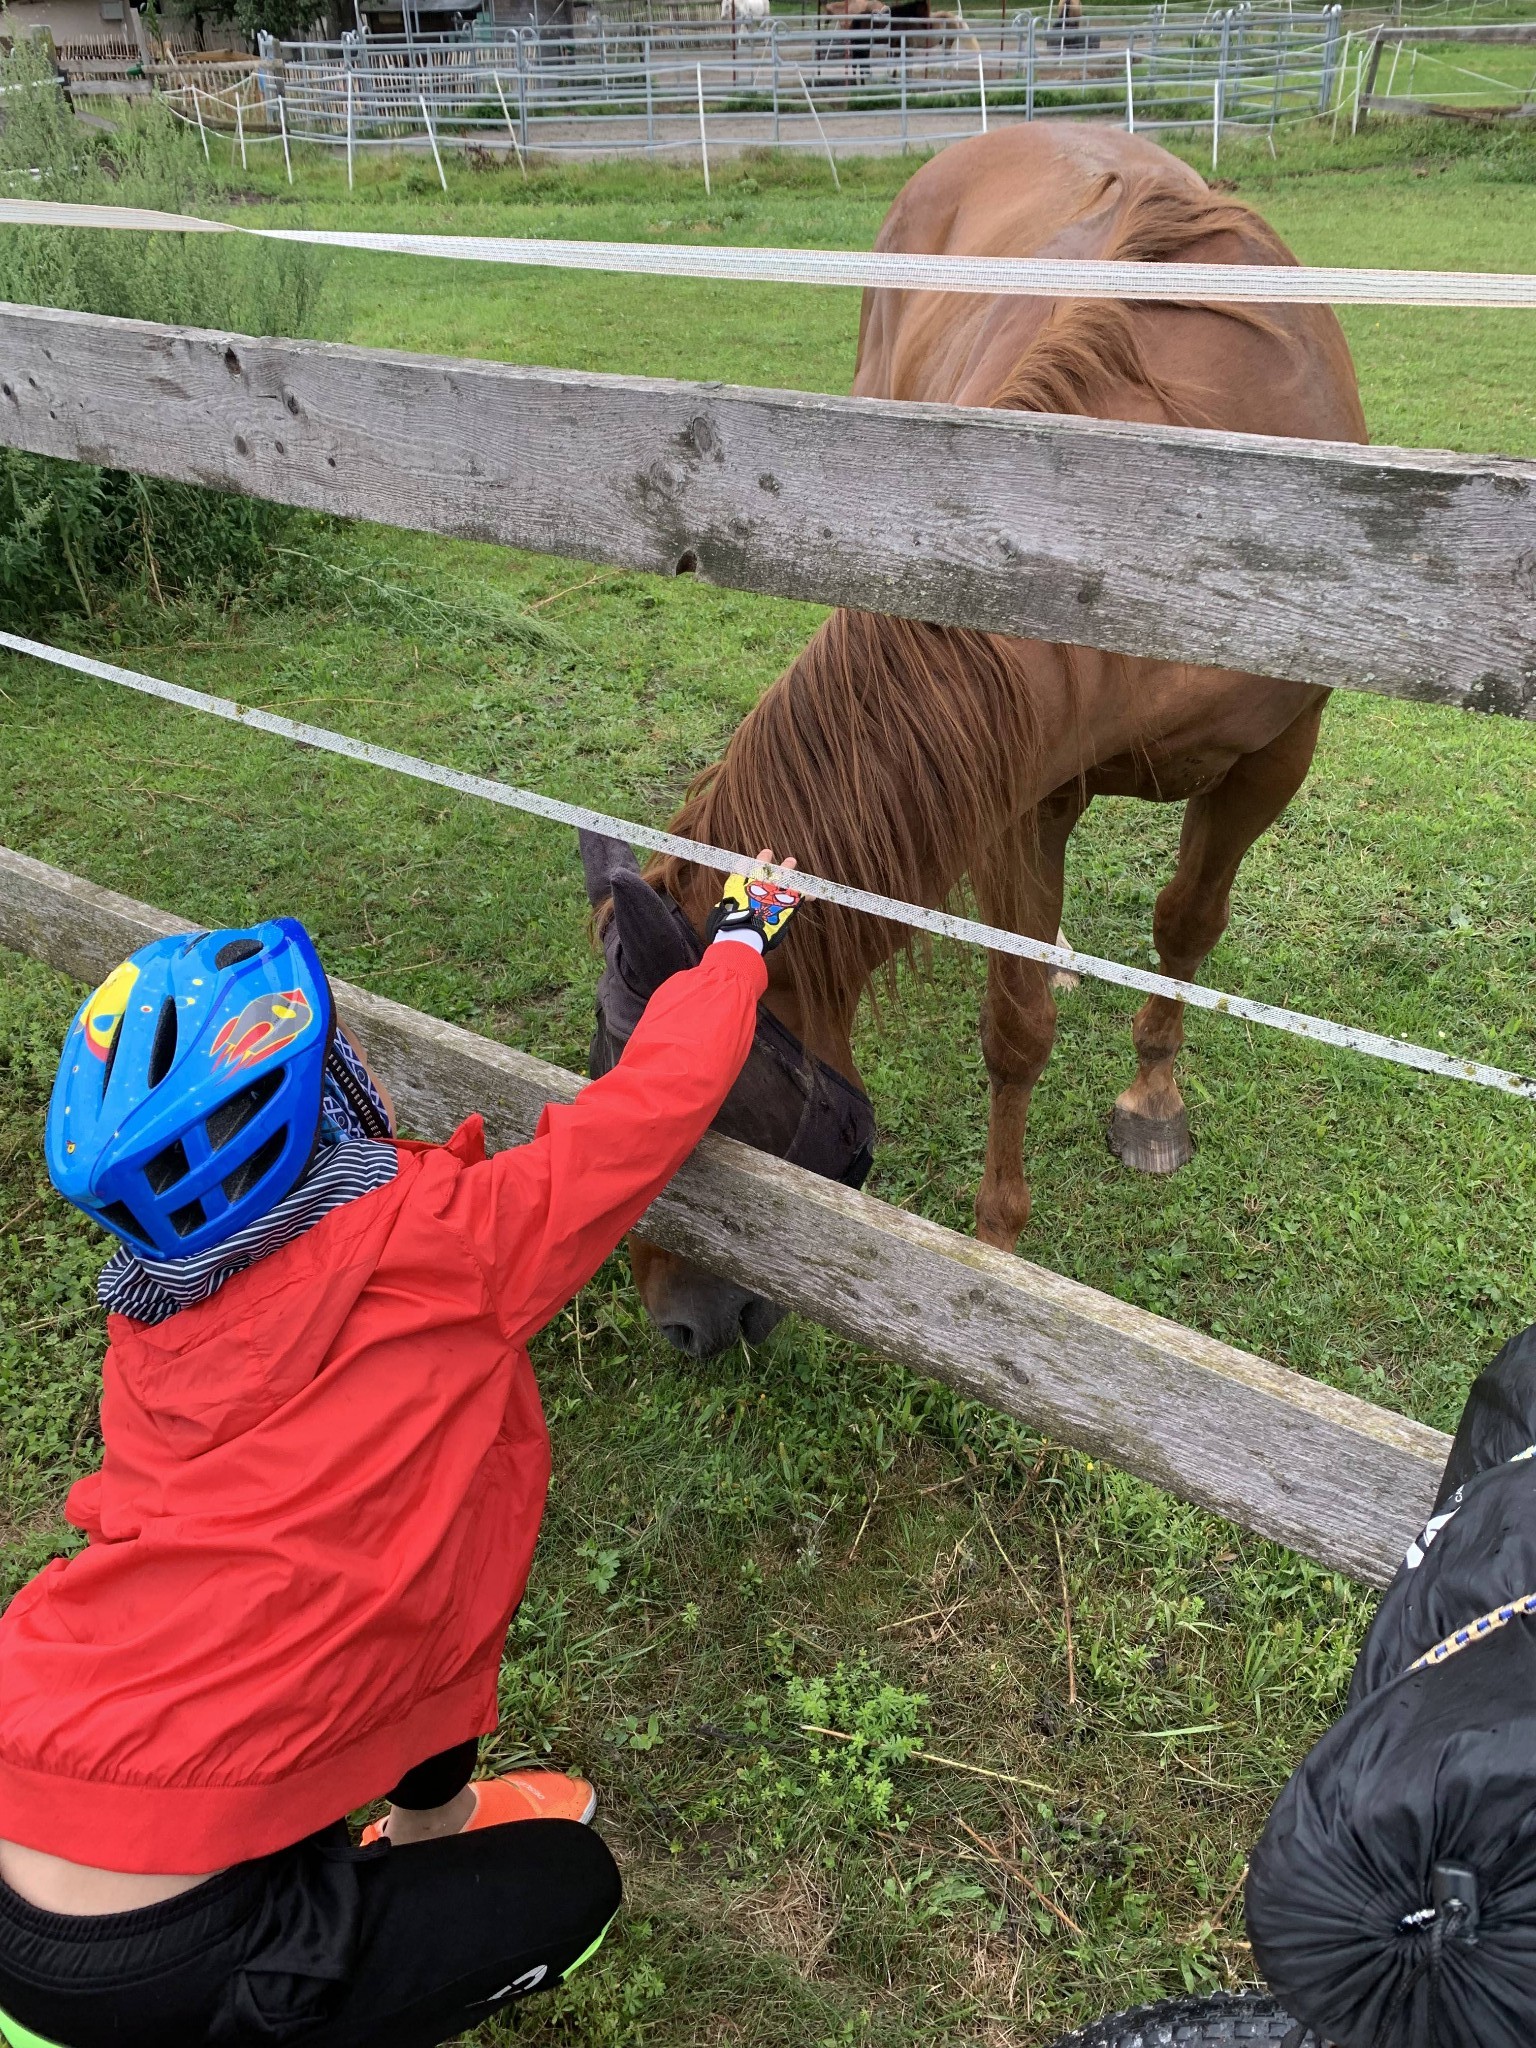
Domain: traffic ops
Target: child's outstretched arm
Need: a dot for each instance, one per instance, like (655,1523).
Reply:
(544,1216)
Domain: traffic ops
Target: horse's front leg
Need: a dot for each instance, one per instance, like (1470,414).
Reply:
(1018,886)
(1150,1128)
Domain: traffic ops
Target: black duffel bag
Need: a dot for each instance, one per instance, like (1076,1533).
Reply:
(1391,1901)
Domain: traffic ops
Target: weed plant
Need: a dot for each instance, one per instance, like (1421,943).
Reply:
(73,536)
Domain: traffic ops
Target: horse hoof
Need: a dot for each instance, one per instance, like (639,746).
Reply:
(1062,981)
(1152,1144)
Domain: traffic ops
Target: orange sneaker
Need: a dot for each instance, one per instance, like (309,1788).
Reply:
(521,1795)
(530,1795)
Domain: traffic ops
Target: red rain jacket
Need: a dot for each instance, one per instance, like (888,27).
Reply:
(321,1488)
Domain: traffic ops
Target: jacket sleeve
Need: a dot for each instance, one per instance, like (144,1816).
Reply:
(542,1217)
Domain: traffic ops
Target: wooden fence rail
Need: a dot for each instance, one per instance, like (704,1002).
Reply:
(1457,32)
(1335,1478)
(1407,573)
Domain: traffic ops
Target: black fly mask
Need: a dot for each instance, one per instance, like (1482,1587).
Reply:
(786,1101)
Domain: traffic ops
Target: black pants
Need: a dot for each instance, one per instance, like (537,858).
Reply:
(439,1779)
(323,1944)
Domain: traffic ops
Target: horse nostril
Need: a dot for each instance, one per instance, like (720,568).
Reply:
(759,1319)
(683,1337)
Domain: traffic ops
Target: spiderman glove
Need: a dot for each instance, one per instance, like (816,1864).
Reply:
(753,906)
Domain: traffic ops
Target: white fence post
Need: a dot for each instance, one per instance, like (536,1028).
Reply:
(432,138)
(1130,95)
(282,122)
(1342,86)
(831,160)
(511,129)
(698,71)
(1216,124)
(240,128)
(197,102)
(350,125)
(981,81)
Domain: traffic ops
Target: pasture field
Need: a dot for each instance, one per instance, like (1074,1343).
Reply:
(1067,1699)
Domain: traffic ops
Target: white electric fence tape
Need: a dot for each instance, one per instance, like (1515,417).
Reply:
(1038,277)
(939,922)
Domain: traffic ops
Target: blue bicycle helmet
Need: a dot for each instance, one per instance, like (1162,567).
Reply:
(187,1101)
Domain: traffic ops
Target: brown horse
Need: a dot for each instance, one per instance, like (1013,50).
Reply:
(910,759)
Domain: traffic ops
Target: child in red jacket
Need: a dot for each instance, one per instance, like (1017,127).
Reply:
(323,1472)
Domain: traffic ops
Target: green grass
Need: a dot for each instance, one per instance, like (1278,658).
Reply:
(808,1534)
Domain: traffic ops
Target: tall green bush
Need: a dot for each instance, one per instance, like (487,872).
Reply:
(73,536)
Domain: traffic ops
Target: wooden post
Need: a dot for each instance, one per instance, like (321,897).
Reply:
(1335,1478)
(1364,91)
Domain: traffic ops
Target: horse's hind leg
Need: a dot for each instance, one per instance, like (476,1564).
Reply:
(1149,1128)
(1018,886)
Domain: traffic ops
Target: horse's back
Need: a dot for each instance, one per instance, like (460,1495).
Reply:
(1013,191)
(1077,191)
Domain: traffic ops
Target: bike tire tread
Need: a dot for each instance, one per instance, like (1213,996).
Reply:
(1245,2019)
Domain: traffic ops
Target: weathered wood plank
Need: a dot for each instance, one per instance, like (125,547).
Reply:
(1458,32)
(1332,1476)
(1440,110)
(1412,574)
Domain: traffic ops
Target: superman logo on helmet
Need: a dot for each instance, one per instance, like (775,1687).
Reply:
(263,1027)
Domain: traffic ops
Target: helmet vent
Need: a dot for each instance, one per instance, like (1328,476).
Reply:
(230,1118)
(255,1169)
(163,1051)
(122,1218)
(185,1220)
(233,951)
(167,1167)
(111,1060)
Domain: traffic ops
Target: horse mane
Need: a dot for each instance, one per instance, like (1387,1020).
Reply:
(890,754)
(887,755)
(1085,348)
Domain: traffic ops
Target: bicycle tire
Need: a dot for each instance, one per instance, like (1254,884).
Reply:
(1241,2019)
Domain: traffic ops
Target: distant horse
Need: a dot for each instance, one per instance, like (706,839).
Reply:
(1064,28)
(866,22)
(908,758)
(947,39)
(749,21)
